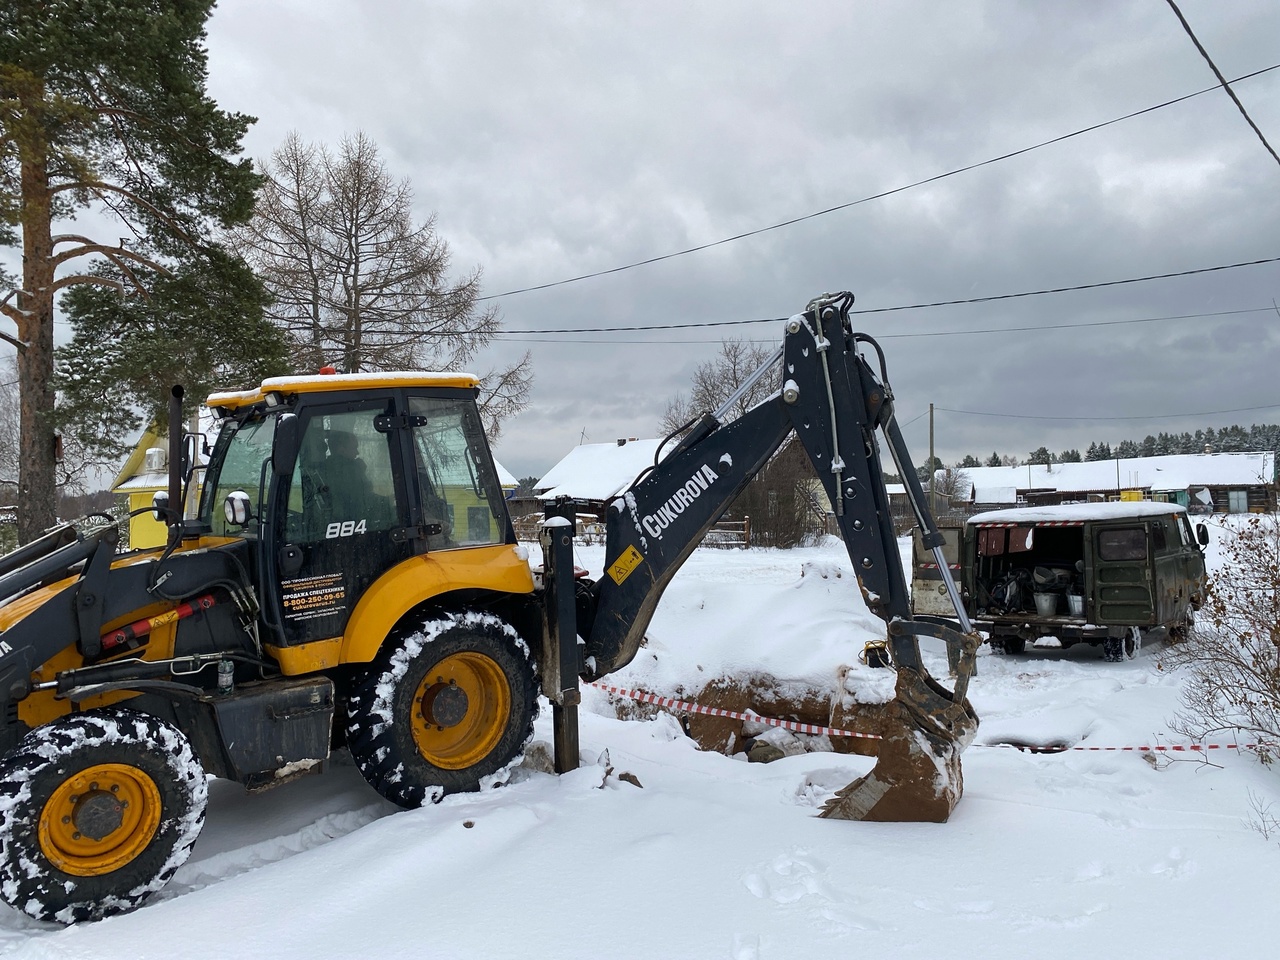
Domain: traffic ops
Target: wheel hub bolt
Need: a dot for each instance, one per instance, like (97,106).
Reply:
(444,704)
(97,815)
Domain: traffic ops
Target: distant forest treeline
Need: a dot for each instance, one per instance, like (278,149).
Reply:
(1232,439)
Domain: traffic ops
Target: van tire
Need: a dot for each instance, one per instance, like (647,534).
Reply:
(1131,643)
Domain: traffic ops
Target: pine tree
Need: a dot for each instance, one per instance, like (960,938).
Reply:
(102,108)
(993,460)
(201,325)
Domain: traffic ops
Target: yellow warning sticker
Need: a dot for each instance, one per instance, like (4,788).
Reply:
(621,568)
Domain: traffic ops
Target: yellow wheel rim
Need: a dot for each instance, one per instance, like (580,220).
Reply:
(100,819)
(460,710)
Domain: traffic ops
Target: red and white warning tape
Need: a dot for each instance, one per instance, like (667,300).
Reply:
(1157,748)
(1039,523)
(815,729)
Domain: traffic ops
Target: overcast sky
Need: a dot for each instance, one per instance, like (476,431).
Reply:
(555,139)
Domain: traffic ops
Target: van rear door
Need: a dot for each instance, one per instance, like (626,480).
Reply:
(1122,574)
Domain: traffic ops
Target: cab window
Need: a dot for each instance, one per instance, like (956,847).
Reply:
(242,450)
(458,487)
(342,484)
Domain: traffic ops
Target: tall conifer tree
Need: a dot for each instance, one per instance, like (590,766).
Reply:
(103,106)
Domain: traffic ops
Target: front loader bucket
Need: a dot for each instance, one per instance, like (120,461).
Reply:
(917,776)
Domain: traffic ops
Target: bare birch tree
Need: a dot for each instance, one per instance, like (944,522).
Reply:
(715,381)
(783,501)
(358,283)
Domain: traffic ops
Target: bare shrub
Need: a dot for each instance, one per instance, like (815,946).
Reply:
(1263,820)
(1232,656)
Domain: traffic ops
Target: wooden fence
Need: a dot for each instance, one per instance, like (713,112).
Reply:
(725,535)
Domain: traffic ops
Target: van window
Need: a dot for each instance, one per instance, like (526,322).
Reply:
(1123,543)
(1158,535)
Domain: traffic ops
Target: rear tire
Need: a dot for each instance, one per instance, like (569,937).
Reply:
(1132,643)
(1009,646)
(1127,647)
(447,703)
(100,809)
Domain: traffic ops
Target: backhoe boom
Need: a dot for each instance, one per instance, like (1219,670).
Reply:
(834,402)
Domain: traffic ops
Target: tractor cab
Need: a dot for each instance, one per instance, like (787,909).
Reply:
(338,479)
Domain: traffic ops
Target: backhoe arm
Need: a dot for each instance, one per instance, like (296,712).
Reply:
(835,403)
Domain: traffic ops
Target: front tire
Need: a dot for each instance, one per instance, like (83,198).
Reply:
(1181,631)
(445,704)
(99,810)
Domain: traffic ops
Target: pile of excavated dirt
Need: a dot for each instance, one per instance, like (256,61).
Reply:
(765,695)
(917,776)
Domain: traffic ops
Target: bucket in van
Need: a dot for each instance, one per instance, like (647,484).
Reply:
(1075,604)
(1047,604)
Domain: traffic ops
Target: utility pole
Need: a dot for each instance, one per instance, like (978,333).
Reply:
(933,472)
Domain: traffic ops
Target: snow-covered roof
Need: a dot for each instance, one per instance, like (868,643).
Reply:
(1175,472)
(995,494)
(134,475)
(323,383)
(147,480)
(505,477)
(1078,512)
(598,471)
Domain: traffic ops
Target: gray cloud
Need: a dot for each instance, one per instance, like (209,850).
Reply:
(557,139)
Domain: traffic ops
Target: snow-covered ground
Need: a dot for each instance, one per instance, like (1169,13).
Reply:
(1075,855)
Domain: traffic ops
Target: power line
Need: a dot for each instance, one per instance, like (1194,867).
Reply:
(912,306)
(612,341)
(1082,286)
(867,199)
(1221,79)
(1075,326)
(1158,416)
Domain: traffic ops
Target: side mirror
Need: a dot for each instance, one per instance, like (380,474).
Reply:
(1202,534)
(190,458)
(237,508)
(160,506)
(284,445)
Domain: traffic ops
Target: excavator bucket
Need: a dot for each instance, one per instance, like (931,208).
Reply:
(917,776)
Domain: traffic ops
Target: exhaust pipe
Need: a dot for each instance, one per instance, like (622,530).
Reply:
(176,450)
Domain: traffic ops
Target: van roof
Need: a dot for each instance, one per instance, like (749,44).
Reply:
(1075,513)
